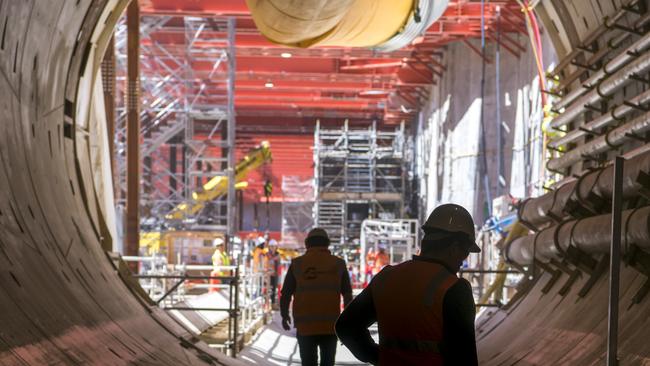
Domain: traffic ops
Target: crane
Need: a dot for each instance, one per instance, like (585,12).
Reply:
(218,186)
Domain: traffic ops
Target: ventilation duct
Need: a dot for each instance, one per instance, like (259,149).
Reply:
(384,25)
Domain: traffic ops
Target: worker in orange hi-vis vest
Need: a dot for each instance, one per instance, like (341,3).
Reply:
(381,260)
(424,311)
(370,263)
(316,281)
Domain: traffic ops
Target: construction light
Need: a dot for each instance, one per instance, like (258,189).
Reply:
(269,84)
(285,55)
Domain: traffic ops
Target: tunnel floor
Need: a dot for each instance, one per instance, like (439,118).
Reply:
(273,346)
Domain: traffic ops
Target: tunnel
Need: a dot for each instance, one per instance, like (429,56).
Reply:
(68,298)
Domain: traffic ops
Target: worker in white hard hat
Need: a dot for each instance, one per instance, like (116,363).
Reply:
(273,259)
(219,258)
(424,311)
(316,281)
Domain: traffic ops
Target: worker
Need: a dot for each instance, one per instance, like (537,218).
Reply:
(370,263)
(260,266)
(273,258)
(424,311)
(259,255)
(316,281)
(219,258)
(381,260)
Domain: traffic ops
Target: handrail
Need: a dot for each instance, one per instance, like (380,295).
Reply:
(248,292)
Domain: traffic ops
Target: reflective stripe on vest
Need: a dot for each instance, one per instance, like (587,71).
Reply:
(317,298)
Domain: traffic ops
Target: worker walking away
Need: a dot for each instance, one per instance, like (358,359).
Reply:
(424,311)
(274,269)
(219,258)
(316,280)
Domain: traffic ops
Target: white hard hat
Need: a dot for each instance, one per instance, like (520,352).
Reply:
(218,241)
(452,218)
(273,243)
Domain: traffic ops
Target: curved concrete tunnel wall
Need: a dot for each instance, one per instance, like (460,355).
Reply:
(61,298)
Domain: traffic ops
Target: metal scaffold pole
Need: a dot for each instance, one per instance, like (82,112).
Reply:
(615,263)
(231,128)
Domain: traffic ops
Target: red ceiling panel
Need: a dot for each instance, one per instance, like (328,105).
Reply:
(305,84)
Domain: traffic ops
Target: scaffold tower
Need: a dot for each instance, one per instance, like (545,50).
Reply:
(187,119)
(359,174)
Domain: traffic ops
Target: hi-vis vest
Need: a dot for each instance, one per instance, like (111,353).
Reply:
(408,300)
(317,299)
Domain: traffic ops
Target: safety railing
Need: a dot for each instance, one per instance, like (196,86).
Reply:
(248,293)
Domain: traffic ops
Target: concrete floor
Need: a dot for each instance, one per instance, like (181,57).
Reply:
(275,346)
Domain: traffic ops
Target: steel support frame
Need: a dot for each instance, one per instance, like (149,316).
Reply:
(133,131)
(397,235)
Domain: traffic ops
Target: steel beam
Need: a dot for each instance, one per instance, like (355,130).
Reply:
(133,131)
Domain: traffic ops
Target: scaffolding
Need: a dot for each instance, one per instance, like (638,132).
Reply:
(359,174)
(187,118)
(297,208)
(398,237)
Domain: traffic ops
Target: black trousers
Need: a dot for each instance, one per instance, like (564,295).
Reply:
(309,346)
(273,282)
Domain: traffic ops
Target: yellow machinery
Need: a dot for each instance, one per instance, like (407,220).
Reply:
(189,247)
(218,186)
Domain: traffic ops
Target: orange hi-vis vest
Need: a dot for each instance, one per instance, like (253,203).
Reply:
(381,261)
(408,300)
(317,299)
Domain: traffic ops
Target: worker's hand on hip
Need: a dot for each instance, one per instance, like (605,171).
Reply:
(286,323)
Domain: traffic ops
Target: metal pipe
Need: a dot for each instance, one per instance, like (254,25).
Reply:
(597,33)
(591,235)
(612,140)
(613,43)
(236,320)
(615,64)
(584,192)
(615,264)
(604,89)
(605,120)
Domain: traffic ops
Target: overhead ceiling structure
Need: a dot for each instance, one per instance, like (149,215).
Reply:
(286,85)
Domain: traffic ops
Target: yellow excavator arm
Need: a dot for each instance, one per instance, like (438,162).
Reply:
(218,186)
